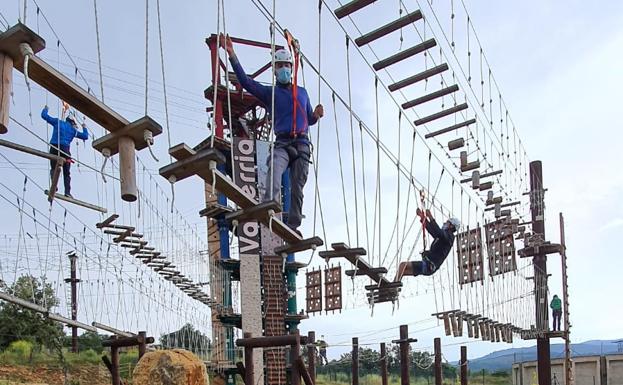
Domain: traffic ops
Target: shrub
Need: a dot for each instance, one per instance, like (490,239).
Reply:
(20,349)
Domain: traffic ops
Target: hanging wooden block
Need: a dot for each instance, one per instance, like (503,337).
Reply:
(454,324)
(459,320)
(470,328)
(476,327)
(475,179)
(456,144)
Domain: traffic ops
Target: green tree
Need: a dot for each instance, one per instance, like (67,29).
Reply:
(88,340)
(187,338)
(18,323)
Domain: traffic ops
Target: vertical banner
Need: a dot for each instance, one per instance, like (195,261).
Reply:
(245,177)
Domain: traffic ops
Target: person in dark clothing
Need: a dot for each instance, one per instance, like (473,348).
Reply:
(439,249)
(556,306)
(293,116)
(322,346)
(64,131)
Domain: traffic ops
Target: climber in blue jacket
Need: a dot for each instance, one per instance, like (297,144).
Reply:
(292,146)
(63,133)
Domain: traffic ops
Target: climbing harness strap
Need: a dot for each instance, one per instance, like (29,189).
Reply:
(295,48)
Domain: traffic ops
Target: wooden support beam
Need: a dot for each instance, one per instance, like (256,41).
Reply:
(485,186)
(483,175)
(509,204)
(31,151)
(418,77)
(546,248)
(443,113)
(389,28)
(402,55)
(79,202)
(6,88)
(348,254)
(351,7)
(470,166)
(431,96)
(300,365)
(384,286)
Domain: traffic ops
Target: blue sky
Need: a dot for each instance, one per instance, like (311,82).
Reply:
(559,72)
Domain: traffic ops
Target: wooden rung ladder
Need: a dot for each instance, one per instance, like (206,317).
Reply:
(448,325)
(402,55)
(305,244)
(441,114)
(418,77)
(432,96)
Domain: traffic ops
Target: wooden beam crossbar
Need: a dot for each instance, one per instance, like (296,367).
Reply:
(441,114)
(402,55)
(432,96)
(351,7)
(418,77)
(389,28)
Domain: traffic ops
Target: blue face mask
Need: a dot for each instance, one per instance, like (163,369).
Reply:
(283,75)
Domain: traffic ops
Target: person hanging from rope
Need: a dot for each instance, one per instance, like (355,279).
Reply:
(293,116)
(556,306)
(438,251)
(63,134)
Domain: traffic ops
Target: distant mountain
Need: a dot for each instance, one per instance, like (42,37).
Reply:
(504,359)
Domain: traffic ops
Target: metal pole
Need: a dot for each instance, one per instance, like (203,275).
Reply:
(355,358)
(383,364)
(540,274)
(438,374)
(311,355)
(73,281)
(404,355)
(565,302)
(463,365)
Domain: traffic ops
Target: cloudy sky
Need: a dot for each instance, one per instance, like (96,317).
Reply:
(558,70)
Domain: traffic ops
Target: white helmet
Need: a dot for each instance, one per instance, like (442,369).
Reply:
(455,222)
(283,56)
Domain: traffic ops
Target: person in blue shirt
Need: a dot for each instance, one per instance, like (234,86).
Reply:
(63,132)
(438,251)
(293,116)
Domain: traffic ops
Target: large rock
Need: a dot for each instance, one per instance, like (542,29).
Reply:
(170,367)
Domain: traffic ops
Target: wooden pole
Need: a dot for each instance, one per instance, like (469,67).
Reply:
(311,355)
(6,84)
(438,373)
(294,355)
(565,302)
(127,169)
(114,358)
(248,362)
(404,354)
(142,347)
(74,301)
(464,365)
(383,364)
(300,365)
(539,261)
(355,359)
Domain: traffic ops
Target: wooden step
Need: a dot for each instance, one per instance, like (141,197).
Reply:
(215,210)
(418,77)
(450,128)
(357,272)
(134,130)
(351,7)
(402,55)
(441,114)
(389,28)
(431,96)
(261,212)
(192,165)
(303,245)
(31,151)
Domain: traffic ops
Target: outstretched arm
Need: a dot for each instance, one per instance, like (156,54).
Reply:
(260,91)
(84,135)
(48,118)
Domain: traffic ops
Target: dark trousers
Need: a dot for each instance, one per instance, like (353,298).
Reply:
(323,355)
(557,314)
(298,161)
(423,267)
(64,153)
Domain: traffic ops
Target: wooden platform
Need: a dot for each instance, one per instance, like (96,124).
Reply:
(134,130)
(78,202)
(227,187)
(14,36)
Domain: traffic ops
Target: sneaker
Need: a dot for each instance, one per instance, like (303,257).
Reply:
(68,195)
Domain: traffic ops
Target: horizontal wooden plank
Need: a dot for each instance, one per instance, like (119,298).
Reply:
(31,151)
(192,165)
(78,202)
(389,28)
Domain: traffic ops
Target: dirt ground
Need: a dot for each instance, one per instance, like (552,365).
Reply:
(42,375)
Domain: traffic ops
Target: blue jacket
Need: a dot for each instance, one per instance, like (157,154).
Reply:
(441,246)
(283,102)
(63,132)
